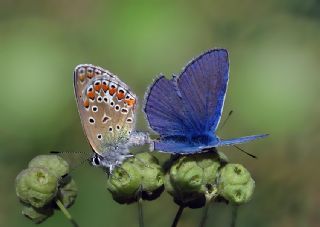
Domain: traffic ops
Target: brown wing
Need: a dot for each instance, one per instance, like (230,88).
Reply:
(106,106)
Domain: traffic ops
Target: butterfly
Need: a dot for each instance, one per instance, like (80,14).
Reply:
(107,109)
(185,111)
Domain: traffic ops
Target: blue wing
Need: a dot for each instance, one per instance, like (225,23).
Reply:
(245,139)
(203,86)
(184,147)
(192,103)
(186,110)
(174,147)
(164,108)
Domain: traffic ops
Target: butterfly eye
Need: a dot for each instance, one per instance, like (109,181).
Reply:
(95,160)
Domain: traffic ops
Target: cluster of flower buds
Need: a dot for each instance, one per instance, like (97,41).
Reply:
(192,181)
(196,179)
(42,184)
(138,177)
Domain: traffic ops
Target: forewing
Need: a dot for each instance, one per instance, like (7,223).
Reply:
(164,108)
(203,85)
(192,103)
(106,106)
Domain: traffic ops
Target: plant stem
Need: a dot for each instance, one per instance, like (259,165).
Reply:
(66,213)
(204,214)
(177,217)
(234,215)
(210,196)
(140,211)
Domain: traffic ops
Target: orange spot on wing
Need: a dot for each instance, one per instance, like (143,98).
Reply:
(105,87)
(86,103)
(112,90)
(82,76)
(130,102)
(90,94)
(120,95)
(97,87)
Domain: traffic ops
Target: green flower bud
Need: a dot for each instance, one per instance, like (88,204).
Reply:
(36,215)
(151,175)
(191,179)
(68,193)
(141,172)
(53,163)
(36,186)
(236,184)
(124,183)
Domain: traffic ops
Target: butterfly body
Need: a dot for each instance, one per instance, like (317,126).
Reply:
(107,111)
(185,111)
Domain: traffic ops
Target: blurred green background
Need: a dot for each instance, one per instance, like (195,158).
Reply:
(274,87)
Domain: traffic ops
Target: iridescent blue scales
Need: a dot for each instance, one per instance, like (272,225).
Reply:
(185,111)
(107,110)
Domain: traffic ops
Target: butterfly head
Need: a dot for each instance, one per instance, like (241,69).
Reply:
(111,158)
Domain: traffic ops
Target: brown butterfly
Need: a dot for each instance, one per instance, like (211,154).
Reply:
(107,109)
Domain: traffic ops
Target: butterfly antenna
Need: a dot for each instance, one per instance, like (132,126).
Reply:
(74,158)
(225,120)
(67,152)
(240,149)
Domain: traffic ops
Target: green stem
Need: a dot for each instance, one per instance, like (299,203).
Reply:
(177,217)
(204,214)
(140,211)
(234,215)
(66,213)
(210,196)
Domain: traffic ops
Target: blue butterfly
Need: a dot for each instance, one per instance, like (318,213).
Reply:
(186,110)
